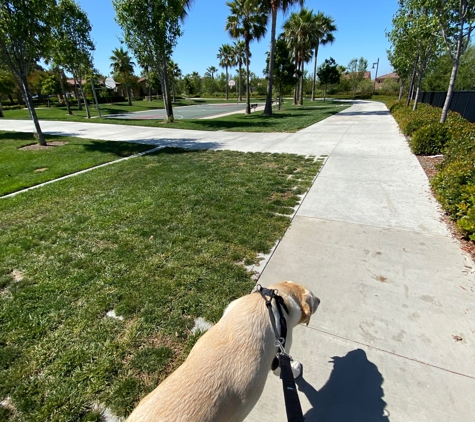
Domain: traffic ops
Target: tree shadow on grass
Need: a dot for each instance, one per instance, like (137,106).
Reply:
(121,149)
(353,392)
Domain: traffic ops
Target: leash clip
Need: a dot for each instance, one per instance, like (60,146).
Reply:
(279,342)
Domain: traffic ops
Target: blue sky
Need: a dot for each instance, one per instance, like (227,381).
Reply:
(361,33)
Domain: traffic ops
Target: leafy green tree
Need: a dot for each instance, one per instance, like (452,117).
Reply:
(456,20)
(151,29)
(415,42)
(324,29)
(73,46)
(123,65)
(51,86)
(355,72)
(328,74)
(226,59)
(274,6)
(25,37)
(247,20)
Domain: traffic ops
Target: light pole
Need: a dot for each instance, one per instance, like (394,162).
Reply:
(376,75)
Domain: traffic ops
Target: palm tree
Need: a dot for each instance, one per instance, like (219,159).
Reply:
(274,6)
(226,60)
(325,27)
(240,58)
(299,31)
(248,20)
(122,64)
(174,73)
(210,71)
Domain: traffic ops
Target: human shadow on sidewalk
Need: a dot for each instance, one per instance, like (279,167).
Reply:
(353,392)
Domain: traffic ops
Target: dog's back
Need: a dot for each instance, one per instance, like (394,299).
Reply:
(224,375)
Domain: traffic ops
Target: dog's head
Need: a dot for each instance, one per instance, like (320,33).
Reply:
(307,301)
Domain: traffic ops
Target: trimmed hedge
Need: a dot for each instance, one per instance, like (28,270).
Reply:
(454,184)
(430,139)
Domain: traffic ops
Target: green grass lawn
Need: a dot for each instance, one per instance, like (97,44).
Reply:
(23,168)
(289,119)
(161,240)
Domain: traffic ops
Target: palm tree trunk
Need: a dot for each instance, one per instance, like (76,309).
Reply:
(1,110)
(314,85)
(301,83)
(240,80)
(270,75)
(248,92)
(227,82)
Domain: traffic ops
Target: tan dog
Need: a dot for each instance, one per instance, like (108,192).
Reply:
(225,372)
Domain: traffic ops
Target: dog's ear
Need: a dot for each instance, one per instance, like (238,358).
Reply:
(309,305)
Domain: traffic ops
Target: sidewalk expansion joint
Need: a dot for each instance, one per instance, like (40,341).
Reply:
(392,353)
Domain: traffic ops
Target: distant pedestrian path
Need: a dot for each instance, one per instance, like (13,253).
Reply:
(186,112)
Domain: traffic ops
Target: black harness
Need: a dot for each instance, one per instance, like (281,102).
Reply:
(282,359)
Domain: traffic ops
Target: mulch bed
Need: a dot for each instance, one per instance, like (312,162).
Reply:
(429,164)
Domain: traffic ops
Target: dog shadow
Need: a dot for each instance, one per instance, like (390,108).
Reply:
(353,392)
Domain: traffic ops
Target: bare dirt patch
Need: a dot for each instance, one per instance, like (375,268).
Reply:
(41,170)
(37,147)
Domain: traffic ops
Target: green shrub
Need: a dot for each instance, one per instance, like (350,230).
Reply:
(430,139)
(413,126)
(13,107)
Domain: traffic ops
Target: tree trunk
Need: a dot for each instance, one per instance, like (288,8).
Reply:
(78,98)
(314,85)
(68,106)
(401,89)
(240,81)
(280,96)
(248,91)
(450,91)
(31,108)
(302,82)
(86,105)
(11,99)
(227,83)
(1,110)
(127,89)
(270,75)
(411,85)
(166,93)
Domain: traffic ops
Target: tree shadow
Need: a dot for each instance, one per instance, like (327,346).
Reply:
(353,392)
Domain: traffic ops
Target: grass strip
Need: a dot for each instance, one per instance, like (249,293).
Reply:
(22,168)
(159,240)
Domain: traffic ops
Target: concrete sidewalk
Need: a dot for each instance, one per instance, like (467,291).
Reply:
(394,337)
(395,287)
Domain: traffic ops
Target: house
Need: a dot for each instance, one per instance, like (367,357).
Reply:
(367,75)
(380,79)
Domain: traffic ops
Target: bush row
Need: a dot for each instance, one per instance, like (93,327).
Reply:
(454,184)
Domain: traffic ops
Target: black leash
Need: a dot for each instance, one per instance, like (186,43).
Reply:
(292,402)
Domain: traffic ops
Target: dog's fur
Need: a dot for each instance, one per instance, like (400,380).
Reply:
(225,372)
